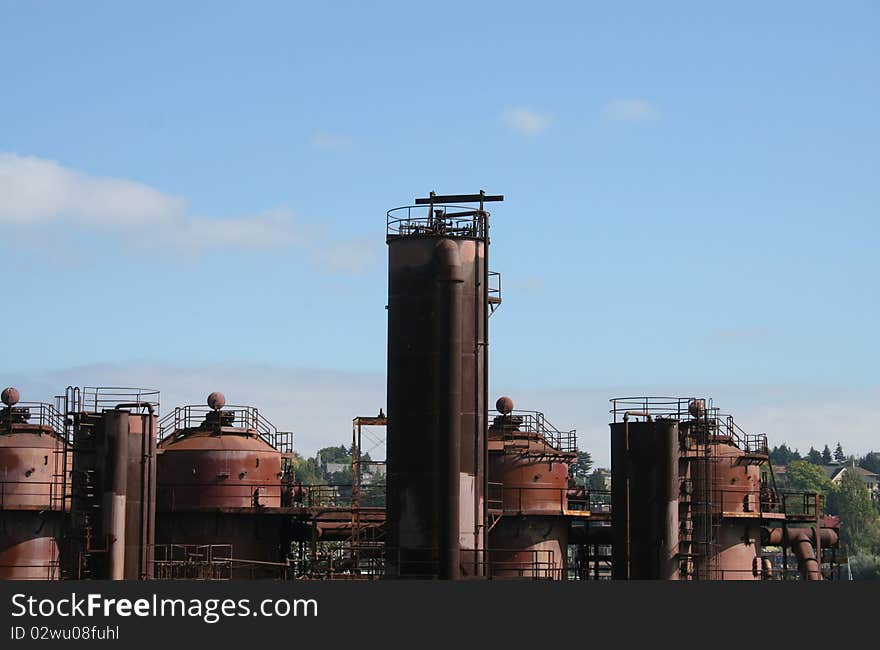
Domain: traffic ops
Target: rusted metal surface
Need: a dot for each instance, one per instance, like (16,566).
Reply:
(437,330)
(214,478)
(530,499)
(32,455)
(645,492)
(10,396)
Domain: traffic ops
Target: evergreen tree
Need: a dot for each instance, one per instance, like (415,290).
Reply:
(580,470)
(871,462)
(814,456)
(781,456)
(839,456)
(826,456)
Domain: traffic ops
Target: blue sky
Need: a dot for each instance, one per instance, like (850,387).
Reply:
(199,190)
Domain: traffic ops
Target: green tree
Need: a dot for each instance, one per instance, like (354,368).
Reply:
(826,456)
(597,480)
(782,455)
(839,456)
(802,476)
(814,456)
(858,520)
(865,566)
(580,470)
(871,462)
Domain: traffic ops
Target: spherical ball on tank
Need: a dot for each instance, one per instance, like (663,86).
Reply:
(504,405)
(10,396)
(216,400)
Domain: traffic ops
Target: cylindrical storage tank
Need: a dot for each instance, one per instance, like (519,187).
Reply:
(645,492)
(437,314)
(214,480)
(530,540)
(734,489)
(231,470)
(31,493)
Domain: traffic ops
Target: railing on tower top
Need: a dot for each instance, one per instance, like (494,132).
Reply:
(677,408)
(184,418)
(534,422)
(445,220)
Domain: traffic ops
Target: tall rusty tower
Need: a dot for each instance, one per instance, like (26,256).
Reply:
(439,302)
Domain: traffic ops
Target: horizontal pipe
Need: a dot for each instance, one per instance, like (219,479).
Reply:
(802,543)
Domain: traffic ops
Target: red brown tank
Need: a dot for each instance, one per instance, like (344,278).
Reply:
(32,465)
(218,467)
(528,487)
(734,487)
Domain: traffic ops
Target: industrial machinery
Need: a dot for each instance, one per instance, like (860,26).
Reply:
(111,526)
(693,497)
(439,301)
(530,503)
(97,486)
(33,461)
(219,469)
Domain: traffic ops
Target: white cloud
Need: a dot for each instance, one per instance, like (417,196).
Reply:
(631,110)
(325,140)
(525,120)
(35,192)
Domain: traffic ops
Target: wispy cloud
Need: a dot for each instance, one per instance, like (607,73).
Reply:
(325,140)
(631,110)
(35,193)
(525,120)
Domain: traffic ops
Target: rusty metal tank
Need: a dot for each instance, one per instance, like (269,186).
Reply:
(217,457)
(731,484)
(529,464)
(33,458)
(438,308)
(645,489)
(218,468)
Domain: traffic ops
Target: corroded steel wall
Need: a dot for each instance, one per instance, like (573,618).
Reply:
(531,538)
(645,481)
(30,500)
(417,449)
(209,484)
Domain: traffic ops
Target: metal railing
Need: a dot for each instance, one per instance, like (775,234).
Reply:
(182,418)
(34,414)
(47,495)
(420,221)
(678,408)
(94,399)
(534,422)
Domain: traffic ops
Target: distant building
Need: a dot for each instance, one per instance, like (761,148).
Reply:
(871,480)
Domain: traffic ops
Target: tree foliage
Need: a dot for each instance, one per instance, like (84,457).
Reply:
(802,476)
(871,462)
(839,456)
(859,529)
(814,456)
(782,455)
(580,470)
(827,458)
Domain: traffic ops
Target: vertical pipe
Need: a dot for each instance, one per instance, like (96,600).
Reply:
(447,339)
(670,441)
(116,467)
